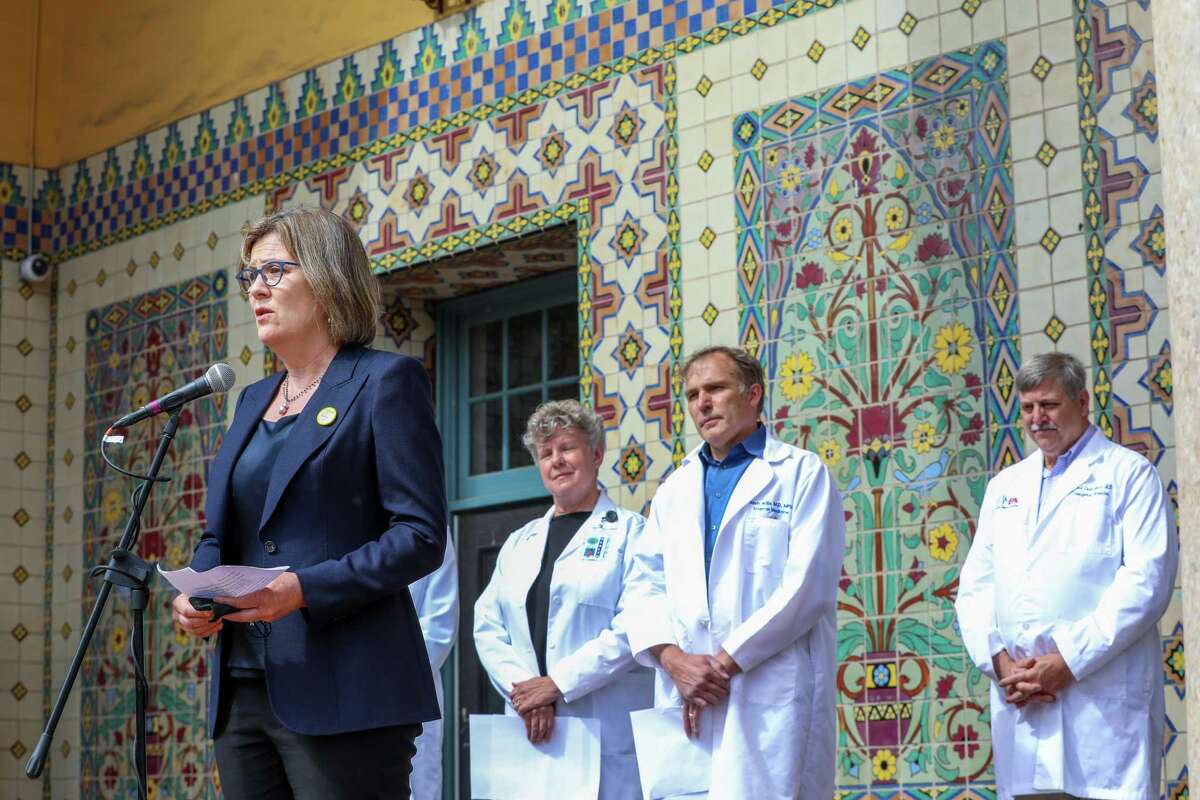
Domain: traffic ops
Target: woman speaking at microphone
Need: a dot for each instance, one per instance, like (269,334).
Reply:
(550,626)
(332,468)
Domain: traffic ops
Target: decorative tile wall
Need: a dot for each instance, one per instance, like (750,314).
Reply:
(146,346)
(889,202)
(874,225)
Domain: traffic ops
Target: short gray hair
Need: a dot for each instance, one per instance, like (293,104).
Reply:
(333,261)
(556,415)
(1062,367)
(749,370)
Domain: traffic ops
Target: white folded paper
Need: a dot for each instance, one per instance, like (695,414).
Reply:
(223,581)
(505,766)
(670,763)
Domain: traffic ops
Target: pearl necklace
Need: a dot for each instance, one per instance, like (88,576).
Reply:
(287,401)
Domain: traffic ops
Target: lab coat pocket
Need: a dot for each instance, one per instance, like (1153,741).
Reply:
(764,544)
(1088,527)
(597,583)
(773,682)
(1109,681)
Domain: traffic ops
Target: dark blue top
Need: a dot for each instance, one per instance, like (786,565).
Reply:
(251,477)
(720,478)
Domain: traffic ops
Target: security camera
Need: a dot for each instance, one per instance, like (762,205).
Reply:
(35,268)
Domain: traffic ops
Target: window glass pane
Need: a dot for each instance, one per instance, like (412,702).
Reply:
(525,349)
(487,436)
(486,342)
(568,390)
(520,408)
(563,326)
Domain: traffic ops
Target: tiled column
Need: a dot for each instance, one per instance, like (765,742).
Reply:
(24,393)
(1177,29)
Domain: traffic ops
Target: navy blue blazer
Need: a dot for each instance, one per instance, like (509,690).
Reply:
(357,509)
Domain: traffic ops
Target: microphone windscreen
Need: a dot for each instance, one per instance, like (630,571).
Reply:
(221,377)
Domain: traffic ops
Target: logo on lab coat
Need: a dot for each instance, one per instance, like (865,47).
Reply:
(1008,502)
(594,548)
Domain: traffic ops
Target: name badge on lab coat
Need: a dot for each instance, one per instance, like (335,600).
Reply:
(594,548)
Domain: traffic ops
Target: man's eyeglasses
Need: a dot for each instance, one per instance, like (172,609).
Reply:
(271,271)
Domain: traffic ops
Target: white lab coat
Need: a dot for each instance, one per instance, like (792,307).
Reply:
(436,599)
(587,652)
(770,601)
(1091,579)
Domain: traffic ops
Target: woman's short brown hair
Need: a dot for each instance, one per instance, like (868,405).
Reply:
(333,261)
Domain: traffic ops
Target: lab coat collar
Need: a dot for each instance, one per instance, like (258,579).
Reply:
(1078,472)
(603,505)
(774,451)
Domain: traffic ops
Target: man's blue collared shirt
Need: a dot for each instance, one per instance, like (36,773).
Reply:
(1050,476)
(720,478)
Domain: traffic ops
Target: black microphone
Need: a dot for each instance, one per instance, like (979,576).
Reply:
(218,379)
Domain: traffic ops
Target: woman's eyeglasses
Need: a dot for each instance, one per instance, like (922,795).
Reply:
(271,271)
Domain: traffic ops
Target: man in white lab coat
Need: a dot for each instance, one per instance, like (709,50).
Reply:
(1072,565)
(741,614)
(436,599)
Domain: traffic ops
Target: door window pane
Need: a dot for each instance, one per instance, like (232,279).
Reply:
(563,345)
(564,391)
(525,349)
(487,436)
(486,343)
(520,408)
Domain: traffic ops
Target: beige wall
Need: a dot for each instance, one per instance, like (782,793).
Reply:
(16,80)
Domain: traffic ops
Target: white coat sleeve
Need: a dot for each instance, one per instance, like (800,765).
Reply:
(808,590)
(607,656)
(438,608)
(1141,590)
(976,602)
(493,642)
(644,595)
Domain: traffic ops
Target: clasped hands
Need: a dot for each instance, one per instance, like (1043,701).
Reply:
(1033,679)
(534,700)
(702,680)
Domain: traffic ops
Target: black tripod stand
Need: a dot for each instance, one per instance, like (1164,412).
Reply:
(127,570)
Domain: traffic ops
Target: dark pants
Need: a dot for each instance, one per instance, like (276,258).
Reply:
(259,759)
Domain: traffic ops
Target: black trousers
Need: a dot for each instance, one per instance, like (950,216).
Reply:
(259,759)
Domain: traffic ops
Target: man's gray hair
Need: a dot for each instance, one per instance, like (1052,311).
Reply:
(1062,367)
(557,415)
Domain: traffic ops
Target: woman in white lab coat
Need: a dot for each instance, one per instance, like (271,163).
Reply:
(550,626)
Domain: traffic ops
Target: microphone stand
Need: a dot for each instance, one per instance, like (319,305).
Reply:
(125,569)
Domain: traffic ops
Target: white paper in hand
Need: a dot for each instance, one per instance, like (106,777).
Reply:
(670,763)
(505,766)
(223,581)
